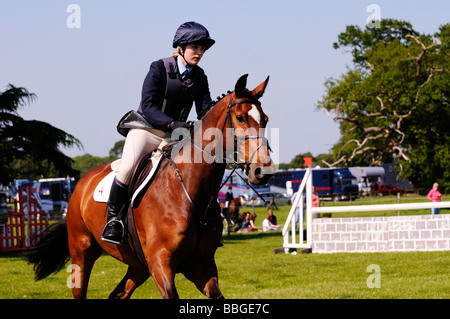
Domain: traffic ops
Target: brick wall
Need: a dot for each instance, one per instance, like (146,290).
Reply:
(381,234)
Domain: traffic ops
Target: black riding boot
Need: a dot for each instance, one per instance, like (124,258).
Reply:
(118,203)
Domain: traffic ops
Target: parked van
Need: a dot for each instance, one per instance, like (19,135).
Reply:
(330,183)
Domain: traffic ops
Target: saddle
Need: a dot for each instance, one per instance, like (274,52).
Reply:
(145,172)
(143,175)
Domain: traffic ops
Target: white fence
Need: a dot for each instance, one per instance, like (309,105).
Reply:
(293,235)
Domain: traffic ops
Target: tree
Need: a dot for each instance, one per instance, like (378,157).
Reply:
(393,105)
(117,149)
(299,162)
(32,144)
(86,162)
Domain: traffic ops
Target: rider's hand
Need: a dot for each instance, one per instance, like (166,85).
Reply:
(177,124)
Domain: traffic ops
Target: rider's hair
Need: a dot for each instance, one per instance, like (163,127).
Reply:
(176,53)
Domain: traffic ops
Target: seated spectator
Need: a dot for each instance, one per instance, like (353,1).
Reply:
(252,226)
(272,217)
(248,223)
(268,224)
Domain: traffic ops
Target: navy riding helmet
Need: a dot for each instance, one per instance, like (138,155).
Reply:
(192,33)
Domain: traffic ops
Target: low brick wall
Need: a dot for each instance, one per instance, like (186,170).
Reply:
(381,234)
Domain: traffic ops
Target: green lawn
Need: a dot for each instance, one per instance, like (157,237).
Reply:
(249,269)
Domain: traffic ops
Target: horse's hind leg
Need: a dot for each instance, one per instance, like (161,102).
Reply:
(84,251)
(83,256)
(133,279)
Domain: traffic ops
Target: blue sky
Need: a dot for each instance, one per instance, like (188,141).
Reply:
(86,78)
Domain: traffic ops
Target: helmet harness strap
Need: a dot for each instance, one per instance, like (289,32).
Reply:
(182,55)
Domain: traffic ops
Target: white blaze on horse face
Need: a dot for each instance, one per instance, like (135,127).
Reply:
(254,113)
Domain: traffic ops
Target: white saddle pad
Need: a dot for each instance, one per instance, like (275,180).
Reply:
(101,193)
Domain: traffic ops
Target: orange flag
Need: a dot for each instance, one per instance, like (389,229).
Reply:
(308,161)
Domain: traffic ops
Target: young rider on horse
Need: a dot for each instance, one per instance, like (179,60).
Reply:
(169,90)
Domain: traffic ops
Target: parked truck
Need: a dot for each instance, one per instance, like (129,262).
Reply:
(55,193)
(52,194)
(329,183)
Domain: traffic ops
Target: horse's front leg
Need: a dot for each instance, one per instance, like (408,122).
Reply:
(164,275)
(203,271)
(204,275)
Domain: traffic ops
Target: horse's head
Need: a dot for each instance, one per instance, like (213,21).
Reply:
(246,123)
(236,126)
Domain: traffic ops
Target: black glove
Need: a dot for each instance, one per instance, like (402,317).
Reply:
(177,124)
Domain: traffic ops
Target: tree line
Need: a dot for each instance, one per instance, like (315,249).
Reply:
(392,106)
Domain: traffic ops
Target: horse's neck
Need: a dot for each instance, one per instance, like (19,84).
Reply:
(202,172)
(203,179)
(211,136)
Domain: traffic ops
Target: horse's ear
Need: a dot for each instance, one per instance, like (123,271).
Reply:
(259,90)
(240,87)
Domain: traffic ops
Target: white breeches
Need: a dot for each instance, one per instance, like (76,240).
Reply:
(138,143)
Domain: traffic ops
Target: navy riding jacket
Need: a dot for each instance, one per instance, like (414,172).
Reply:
(159,108)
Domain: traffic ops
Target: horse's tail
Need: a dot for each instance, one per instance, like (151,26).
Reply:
(51,253)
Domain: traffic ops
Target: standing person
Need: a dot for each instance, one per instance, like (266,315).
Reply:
(297,208)
(301,202)
(315,201)
(170,88)
(435,196)
(361,187)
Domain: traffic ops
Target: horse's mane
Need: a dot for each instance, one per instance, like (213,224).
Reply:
(245,94)
(213,103)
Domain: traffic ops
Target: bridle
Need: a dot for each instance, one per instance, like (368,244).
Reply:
(237,152)
(235,162)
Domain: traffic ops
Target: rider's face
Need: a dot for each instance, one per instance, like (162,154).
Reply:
(193,53)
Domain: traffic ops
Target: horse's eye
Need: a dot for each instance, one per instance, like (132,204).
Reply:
(240,118)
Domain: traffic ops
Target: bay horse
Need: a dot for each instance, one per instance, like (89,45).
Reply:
(178,223)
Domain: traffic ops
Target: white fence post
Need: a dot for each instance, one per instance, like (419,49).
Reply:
(309,211)
(290,221)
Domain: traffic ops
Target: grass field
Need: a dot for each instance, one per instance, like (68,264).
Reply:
(248,269)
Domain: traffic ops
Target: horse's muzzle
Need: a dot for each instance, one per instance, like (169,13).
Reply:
(260,174)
